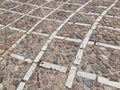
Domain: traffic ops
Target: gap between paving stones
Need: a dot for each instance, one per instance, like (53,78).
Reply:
(32,68)
(71,39)
(29,73)
(29,31)
(99,79)
(10,8)
(87,37)
(84,44)
(24,15)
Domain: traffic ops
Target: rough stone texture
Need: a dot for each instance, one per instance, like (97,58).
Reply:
(21,34)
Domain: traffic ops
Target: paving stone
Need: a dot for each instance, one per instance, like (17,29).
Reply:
(103,65)
(92,9)
(78,1)
(104,70)
(95,67)
(8,4)
(88,83)
(47,27)
(53,4)
(59,15)
(37,2)
(59,50)
(41,12)
(110,22)
(84,18)
(47,82)
(114,12)
(25,23)
(17,63)
(107,36)
(70,7)
(23,8)
(8,17)
(73,31)
(30,46)
(7,38)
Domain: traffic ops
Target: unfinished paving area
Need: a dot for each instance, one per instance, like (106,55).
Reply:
(59,44)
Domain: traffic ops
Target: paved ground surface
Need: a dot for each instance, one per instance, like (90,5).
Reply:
(59,45)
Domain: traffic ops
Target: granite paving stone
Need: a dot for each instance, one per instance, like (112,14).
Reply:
(7,38)
(59,44)
(47,27)
(8,17)
(73,31)
(30,46)
(101,61)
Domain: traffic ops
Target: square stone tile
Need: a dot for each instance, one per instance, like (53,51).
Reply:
(59,15)
(8,37)
(53,4)
(37,2)
(23,8)
(60,0)
(102,61)
(23,1)
(78,1)
(47,27)
(87,84)
(117,5)
(41,12)
(73,31)
(104,3)
(8,17)
(70,7)
(46,79)
(8,4)
(25,23)
(61,52)
(12,73)
(107,36)
(114,12)
(92,9)
(84,18)
(110,22)
(30,46)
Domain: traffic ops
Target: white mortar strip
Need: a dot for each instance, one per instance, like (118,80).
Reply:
(79,56)
(32,68)
(107,45)
(86,39)
(33,32)
(53,66)
(55,32)
(100,79)
(27,3)
(68,39)
(23,15)
(30,72)
(107,82)
(87,75)
(71,77)
(29,31)
(10,8)
(19,57)
(21,86)
(49,41)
